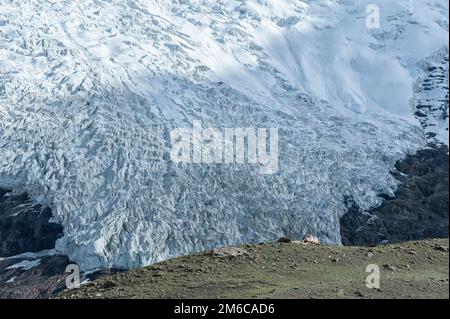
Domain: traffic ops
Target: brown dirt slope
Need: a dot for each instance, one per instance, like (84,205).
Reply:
(286,270)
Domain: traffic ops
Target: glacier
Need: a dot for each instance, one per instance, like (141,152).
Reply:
(91,89)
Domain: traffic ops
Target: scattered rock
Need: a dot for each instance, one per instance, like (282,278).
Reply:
(108,284)
(441,248)
(389,267)
(311,239)
(335,260)
(228,252)
(235,275)
(284,240)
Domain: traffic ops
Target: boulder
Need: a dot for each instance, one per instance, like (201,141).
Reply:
(311,239)
(227,252)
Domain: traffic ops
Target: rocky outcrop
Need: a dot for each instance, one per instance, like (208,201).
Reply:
(227,252)
(432,97)
(37,276)
(24,225)
(29,266)
(25,229)
(27,278)
(419,209)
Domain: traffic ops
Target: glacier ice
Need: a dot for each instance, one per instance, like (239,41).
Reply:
(90,90)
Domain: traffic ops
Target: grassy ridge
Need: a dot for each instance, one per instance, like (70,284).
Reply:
(287,270)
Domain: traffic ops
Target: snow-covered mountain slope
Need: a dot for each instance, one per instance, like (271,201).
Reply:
(90,90)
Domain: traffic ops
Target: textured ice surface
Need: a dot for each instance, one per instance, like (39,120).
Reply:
(89,91)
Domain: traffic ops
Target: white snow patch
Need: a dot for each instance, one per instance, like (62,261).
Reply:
(35,255)
(26,264)
(11,280)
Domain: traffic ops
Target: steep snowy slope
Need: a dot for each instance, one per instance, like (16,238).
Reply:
(90,91)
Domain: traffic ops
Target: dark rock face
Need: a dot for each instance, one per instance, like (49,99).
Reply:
(24,225)
(432,95)
(418,211)
(25,228)
(42,281)
(26,234)
(45,277)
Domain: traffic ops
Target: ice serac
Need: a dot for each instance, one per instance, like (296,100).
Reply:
(90,90)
